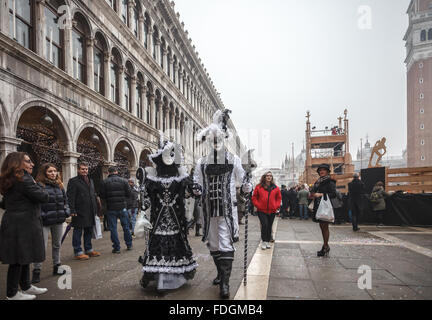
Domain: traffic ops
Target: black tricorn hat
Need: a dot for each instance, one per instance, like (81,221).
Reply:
(324,166)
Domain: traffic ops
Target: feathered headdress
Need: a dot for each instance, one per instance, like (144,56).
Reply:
(164,145)
(218,128)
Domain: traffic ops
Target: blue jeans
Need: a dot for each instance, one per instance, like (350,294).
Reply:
(132,218)
(112,225)
(76,240)
(303,211)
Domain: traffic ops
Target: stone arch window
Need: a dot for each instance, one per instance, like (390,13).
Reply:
(127,89)
(136,15)
(169,59)
(21,22)
(146,29)
(100,48)
(124,5)
(423,35)
(180,70)
(430,34)
(139,96)
(174,70)
(79,49)
(113,4)
(162,53)
(155,42)
(115,75)
(149,104)
(54,36)
(157,113)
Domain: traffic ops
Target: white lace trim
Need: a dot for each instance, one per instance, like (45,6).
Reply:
(175,270)
(169,262)
(151,175)
(167,233)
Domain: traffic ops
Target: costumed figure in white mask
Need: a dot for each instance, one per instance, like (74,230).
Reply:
(217,175)
(168,259)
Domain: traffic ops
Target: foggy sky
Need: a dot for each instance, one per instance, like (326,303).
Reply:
(273,60)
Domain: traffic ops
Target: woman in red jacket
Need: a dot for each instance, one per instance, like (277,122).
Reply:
(267,199)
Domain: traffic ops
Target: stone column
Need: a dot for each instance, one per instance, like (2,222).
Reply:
(121,86)
(163,59)
(161,117)
(8,145)
(90,62)
(69,165)
(4,17)
(151,107)
(157,48)
(133,96)
(177,129)
(182,136)
(150,40)
(175,72)
(68,50)
(131,6)
(141,30)
(40,26)
(107,75)
(144,103)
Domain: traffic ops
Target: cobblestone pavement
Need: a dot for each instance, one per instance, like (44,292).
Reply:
(400,259)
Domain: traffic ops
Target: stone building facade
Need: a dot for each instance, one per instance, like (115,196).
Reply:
(419,79)
(96,80)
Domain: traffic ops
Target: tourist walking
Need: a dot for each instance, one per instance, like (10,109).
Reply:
(132,205)
(356,190)
(83,206)
(54,214)
(325,186)
(115,190)
(21,235)
(303,196)
(377,200)
(267,199)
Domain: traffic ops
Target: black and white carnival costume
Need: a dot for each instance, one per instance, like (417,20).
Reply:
(218,174)
(168,259)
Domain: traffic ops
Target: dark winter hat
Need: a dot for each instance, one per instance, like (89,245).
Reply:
(324,166)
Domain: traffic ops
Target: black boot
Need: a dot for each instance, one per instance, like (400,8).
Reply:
(225,263)
(216,256)
(36,276)
(197,230)
(56,270)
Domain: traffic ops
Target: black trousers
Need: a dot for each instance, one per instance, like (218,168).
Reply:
(356,209)
(380,216)
(17,274)
(266,225)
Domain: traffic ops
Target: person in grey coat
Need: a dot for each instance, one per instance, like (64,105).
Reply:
(377,200)
(21,237)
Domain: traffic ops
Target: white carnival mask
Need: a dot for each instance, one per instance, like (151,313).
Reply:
(168,154)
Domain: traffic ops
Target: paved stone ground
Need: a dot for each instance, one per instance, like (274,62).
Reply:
(296,272)
(397,272)
(116,276)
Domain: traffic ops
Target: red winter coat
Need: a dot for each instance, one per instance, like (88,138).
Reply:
(267,201)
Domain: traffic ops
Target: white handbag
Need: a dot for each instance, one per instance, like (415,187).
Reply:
(97,229)
(325,210)
(142,225)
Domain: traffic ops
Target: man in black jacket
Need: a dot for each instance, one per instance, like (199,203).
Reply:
(115,191)
(356,189)
(83,207)
(292,196)
(285,202)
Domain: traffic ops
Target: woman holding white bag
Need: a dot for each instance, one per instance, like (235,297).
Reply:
(324,188)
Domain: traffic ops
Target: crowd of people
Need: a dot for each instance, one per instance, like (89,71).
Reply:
(35,208)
